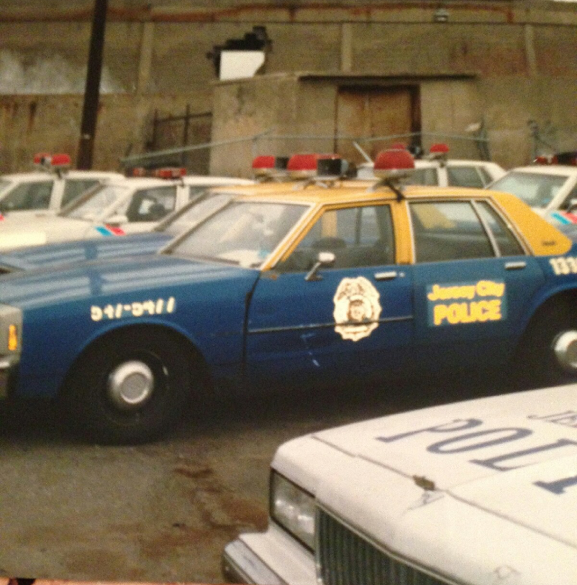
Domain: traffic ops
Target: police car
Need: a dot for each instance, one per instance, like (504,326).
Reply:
(547,186)
(438,169)
(47,190)
(119,207)
(471,493)
(314,281)
(47,256)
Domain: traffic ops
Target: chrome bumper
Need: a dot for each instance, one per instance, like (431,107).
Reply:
(7,367)
(241,565)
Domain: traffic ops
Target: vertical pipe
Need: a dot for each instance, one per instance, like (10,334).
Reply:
(92,90)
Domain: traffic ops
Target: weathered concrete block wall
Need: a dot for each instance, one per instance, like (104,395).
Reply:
(524,55)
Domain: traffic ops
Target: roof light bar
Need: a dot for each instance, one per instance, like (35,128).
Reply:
(269,166)
(308,166)
(169,173)
(52,161)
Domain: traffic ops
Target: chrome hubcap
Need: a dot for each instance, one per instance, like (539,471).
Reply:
(130,385)
(565,348)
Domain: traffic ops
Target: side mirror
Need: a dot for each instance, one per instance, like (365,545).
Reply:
(117,220)
(324,260)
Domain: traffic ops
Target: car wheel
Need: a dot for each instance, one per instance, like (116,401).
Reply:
(550,348)
(129,388)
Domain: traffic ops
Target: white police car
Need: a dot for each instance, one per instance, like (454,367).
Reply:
(437,169)
(472,493)
(50,188)
(119,207)
(546,186)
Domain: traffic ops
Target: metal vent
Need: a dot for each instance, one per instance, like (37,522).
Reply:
(344,558)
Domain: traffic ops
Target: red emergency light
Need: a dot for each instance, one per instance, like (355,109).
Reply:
(306,166)
(52,161)
(439,151)
(170,173)
(391,167)
(393,162)
(267,166)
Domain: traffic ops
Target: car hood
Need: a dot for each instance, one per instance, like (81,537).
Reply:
(511,458)
(42,230)
(149,275)
(77,251)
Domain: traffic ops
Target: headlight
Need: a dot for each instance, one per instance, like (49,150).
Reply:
(293,509)
(10,330)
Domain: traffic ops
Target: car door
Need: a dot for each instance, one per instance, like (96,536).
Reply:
(473,280)
(347,321)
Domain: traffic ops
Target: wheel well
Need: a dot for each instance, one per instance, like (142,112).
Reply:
(194,355)
(565,300)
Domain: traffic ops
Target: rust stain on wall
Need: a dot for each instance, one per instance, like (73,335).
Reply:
(285,10)
(32,107)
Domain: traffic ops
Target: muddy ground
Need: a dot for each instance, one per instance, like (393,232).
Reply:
(162,511)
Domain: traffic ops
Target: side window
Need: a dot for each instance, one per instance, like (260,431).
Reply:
(73,188)
(151,204)
(464,177)
(197,191)
(426,176)
(357,236)
(448,230)
(28,196)
(506,241)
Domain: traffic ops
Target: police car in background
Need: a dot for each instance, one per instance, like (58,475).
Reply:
(204,202)
(438,169)
(118,207)
(549,185)
(472,493)
(47,190)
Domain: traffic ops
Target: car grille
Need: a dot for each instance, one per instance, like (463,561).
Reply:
(344,558)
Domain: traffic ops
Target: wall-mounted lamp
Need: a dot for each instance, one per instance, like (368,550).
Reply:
(441,15)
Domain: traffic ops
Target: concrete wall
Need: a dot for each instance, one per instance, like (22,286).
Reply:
(524,55)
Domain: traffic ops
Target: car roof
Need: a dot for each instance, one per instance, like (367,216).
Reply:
(563,170)
(45,175)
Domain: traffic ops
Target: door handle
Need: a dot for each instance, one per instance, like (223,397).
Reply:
(390,275)
(515,265)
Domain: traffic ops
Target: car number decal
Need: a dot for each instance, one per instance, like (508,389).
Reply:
(563,265)
(134,309)
(357,308)
(473,302)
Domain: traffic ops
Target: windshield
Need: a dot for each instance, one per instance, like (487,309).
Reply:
(193,213)
(535,189)
(90,207)
(243,233)
(4,185)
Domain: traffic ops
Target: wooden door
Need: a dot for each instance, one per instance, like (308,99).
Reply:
(374,112)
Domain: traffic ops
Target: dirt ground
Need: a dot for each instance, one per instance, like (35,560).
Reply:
(161,512)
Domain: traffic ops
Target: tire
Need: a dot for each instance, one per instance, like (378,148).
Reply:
(129,388)
(549,350)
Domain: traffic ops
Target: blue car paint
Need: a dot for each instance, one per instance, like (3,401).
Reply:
(260,328)
(67,253)
(209,301)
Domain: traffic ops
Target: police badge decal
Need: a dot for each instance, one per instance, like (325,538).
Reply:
(357,308)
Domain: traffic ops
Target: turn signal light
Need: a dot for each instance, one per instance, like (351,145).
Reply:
(12,338)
